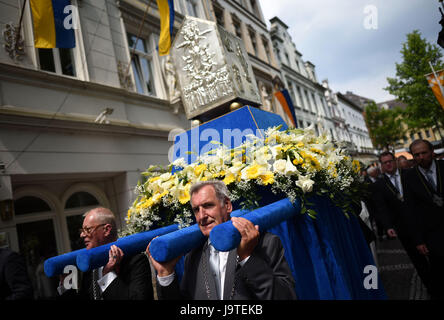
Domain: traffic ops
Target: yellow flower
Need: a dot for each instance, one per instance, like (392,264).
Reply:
(153,179)
(253,171)
(356,166)
(219,174)
(267,178)
(199,169)
(285,148)
(229,178)
(318,151)
(300,144)
(184,196)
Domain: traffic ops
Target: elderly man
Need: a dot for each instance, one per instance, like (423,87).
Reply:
(122,278)
(257,269)
(425,198)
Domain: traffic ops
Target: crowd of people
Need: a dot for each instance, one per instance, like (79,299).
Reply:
(404,201)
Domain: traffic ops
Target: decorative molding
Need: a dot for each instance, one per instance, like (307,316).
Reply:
(124,76)
(14,43)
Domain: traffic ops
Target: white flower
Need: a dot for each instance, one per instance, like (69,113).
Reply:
(279,166)
(180,162)
(305,183)
(289,167)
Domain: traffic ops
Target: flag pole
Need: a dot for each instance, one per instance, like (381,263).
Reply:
(19,26)
(437,79)
(147,9)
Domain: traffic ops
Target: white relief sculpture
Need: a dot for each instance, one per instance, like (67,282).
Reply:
(207,83)
(170,78)
(266,98)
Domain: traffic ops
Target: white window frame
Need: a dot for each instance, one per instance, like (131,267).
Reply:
(78,52)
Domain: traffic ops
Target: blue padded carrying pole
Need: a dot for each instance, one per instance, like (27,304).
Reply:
(130,245)
(174,244)
(225,236)
(54,266)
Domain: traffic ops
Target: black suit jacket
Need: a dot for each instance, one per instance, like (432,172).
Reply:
(368,197)
(265,276)
(14,279)
(132,283)
(426,218)
(390,210)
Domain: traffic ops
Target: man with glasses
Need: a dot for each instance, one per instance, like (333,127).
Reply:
(391,207)
(425,192)
(122,278)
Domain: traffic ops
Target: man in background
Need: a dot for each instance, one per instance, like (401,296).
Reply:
(122,278)
(424,190)
(14,280)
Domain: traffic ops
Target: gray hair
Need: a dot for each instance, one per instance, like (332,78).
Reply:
(220,188)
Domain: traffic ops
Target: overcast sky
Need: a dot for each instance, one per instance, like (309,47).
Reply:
(331,34)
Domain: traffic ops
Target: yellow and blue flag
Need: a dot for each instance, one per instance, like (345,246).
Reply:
(287,105)
(436,83)
(166,11)
(51,29)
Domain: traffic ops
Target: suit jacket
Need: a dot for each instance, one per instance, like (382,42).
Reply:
(390,210)
(426,217)
(132,283)
(368,197)
(265,276)
(14,279)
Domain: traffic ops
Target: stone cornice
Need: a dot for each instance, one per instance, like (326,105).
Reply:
(43,79)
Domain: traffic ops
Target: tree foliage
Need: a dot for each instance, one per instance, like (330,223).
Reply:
(410,84)
(384,125)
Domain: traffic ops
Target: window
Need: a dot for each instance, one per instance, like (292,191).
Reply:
(237,27)
(141,63)
(290,89)
(254,7)
(427,132)
(412,136)
(287,58)
(300,97)
(30,204)
(80,199)
(297,65)
(278,54)
(267,49)
(315,104)
(57,60)
(219,13)
(76,205)
(308,100)
(253,41)
(420,135)
(37,242)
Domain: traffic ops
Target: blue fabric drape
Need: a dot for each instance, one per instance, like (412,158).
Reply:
(327,255)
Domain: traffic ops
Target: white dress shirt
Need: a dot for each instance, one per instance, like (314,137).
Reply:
(395,179)
(223,258)
(103,282)
(432,169)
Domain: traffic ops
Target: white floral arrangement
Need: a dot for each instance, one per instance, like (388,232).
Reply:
(294,163)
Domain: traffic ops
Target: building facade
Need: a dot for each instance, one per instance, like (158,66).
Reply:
(78,126)
(300,79)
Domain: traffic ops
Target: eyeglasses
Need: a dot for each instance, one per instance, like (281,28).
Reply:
(89,230)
